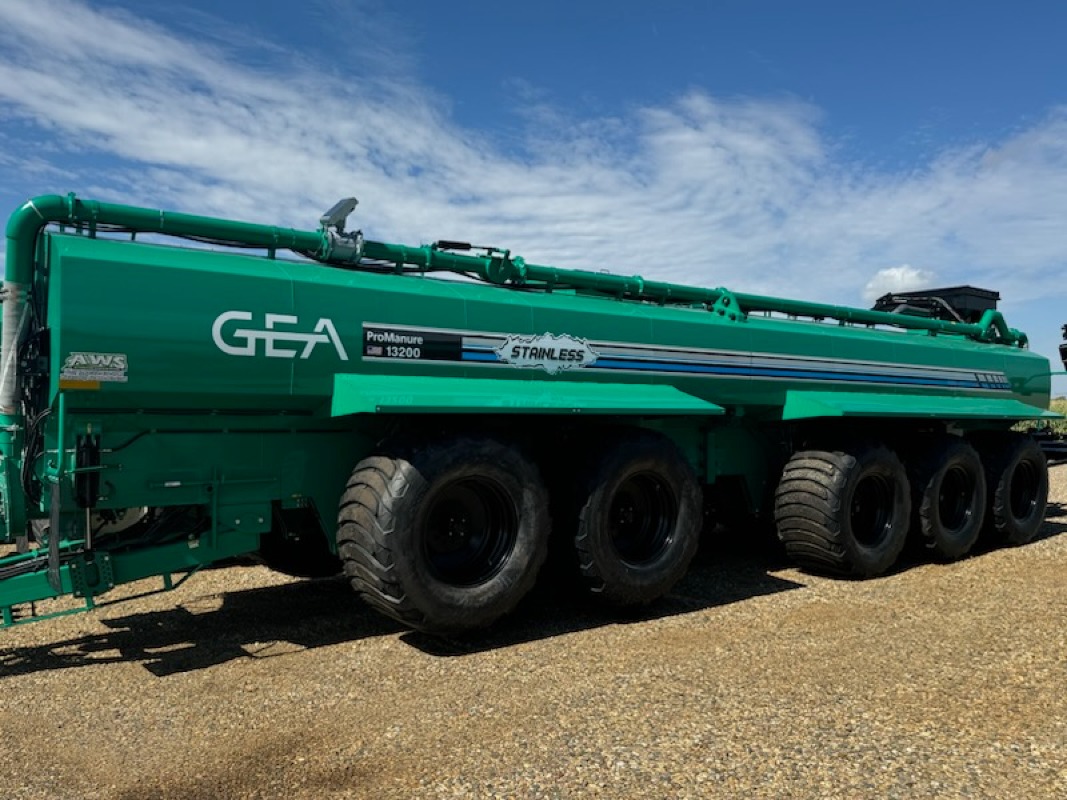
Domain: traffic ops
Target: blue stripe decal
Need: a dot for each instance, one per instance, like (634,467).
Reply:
(469,355)
(485,355)
(772,372)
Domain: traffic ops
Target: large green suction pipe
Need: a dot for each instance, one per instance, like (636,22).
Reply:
(26,223)
(500,267)
(332,245)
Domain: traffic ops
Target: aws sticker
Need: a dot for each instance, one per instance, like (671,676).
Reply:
(94,368)
(548,351)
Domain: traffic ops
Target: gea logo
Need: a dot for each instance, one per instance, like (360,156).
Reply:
(277,329)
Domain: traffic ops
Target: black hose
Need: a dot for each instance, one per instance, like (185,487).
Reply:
(33,450)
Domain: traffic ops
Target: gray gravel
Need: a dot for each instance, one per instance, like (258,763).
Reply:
(752,680)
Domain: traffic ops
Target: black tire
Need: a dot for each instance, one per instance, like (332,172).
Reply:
(845,513)
(1016,475)
(445,538)
(949,497)
(639,521)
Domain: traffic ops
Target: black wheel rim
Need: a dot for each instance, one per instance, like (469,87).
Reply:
(956,498)
(1024,490)
(641,518)
(871,512)
(470,530)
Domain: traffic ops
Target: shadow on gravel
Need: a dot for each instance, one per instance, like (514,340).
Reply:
(253,624)
(727,569)
(1055,522)
(281,620)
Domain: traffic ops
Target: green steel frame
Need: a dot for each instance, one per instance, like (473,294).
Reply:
(248,439)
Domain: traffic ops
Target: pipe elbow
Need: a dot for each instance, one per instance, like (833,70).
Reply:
(36,212)
(22,229)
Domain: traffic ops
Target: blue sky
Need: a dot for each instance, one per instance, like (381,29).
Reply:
(824,150)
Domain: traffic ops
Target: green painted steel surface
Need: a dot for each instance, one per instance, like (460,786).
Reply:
(245,386)
(497,266)
(810,405)
(121,567)
(384,394)
(234,333)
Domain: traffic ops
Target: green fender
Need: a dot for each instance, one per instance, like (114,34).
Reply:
(810,405)
(409,394)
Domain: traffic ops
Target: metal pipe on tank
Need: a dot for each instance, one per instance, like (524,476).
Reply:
(331,246)
(22,229)
(26,223)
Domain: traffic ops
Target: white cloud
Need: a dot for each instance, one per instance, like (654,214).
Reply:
(904,278)
(743,193)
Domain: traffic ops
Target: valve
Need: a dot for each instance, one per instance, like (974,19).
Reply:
(340,247)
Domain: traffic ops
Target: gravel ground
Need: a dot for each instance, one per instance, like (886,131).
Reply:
(752,680)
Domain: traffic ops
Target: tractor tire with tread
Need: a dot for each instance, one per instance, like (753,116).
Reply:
(844,513)
(1016,473)
(639,520)
(948,497)
(447,537)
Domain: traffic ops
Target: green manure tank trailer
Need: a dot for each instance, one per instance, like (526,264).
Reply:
(168,406)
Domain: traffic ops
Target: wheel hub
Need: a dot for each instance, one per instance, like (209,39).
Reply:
(643,514)
(470,529)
